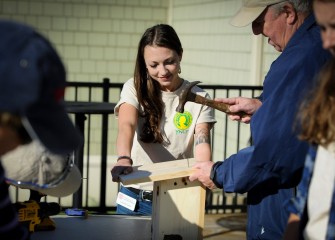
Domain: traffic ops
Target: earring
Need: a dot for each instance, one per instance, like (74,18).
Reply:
(179,70)
(148,76)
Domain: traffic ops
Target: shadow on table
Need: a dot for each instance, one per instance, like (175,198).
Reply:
(229,224)
(97,227)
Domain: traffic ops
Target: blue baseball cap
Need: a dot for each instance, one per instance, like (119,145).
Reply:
(33,80)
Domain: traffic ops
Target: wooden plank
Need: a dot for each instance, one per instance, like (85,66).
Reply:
(159,171)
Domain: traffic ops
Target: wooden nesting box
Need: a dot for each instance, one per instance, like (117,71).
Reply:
(178,204)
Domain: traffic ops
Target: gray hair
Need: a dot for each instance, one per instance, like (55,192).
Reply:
(301,6)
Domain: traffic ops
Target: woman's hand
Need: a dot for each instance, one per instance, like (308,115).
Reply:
(123,166)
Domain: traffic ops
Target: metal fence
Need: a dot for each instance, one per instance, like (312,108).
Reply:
(227,137)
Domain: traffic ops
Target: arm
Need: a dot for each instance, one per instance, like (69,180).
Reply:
(292,228)
(202,142)
(203,154)
(238,104)
(297,206)
(127,121)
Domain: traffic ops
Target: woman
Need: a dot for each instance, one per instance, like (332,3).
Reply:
(313,210)
(149,128)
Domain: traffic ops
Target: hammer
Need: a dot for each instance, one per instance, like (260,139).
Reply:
(188,95)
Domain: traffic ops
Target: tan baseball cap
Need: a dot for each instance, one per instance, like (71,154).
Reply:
(250,10)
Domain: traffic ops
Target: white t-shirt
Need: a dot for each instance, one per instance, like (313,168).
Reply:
(320,193)
(178,128)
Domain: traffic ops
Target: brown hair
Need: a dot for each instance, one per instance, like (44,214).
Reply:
(14,122)
(317,113)
(148,90)
(325,1)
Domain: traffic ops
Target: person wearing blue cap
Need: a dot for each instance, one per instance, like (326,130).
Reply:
(270,169)
(32,79)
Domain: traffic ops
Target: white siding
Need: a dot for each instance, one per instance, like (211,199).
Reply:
(96,27)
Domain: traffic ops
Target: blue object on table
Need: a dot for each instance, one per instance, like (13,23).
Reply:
(76,212)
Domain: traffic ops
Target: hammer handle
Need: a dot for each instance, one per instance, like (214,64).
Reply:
(223,107)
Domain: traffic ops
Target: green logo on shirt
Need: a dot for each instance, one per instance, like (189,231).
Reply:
(182,121)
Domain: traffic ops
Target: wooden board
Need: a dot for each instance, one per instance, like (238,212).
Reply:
(159,171)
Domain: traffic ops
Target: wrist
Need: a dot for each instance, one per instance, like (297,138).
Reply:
(125,157)
(259,98)
(212,175)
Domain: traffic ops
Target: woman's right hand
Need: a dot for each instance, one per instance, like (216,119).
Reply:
(122,167)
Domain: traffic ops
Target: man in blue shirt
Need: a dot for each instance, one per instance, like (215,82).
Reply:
(270,169)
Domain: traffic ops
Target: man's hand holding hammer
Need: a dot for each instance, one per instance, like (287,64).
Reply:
(241,104)
(238,108)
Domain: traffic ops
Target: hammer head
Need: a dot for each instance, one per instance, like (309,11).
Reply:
(186,95)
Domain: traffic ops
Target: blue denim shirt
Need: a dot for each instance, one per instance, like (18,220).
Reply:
(297,205)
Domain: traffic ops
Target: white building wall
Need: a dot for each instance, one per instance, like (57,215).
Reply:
(95,38)
(214,51)
(211,48)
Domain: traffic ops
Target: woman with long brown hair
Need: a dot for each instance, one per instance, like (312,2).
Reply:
(149,128)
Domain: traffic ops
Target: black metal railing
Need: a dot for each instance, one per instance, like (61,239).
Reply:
(227,138)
